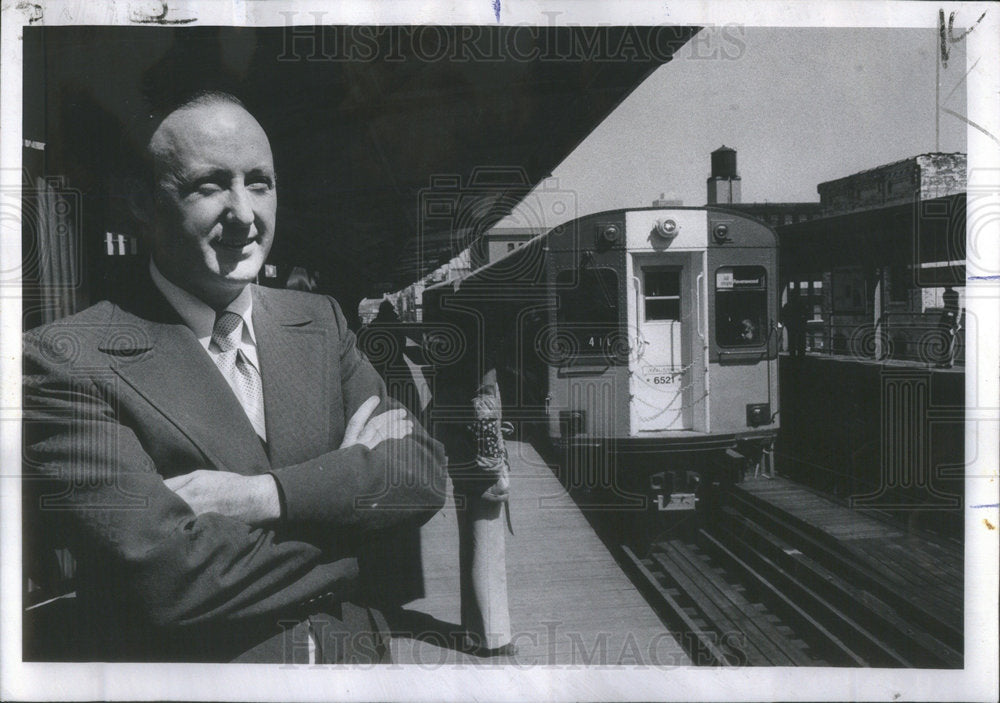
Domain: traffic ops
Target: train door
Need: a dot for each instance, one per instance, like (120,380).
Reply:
(662,311)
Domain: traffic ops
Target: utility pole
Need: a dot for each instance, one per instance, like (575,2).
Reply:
(937,86)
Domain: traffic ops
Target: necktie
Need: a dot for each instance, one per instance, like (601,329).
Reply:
(243,378)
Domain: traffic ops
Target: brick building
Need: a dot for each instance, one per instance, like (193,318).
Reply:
(926,176)
(500,241)
(875,267)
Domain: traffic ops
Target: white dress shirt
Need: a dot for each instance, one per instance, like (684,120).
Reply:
(200,319)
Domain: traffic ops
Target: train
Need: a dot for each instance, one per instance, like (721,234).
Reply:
(640,344)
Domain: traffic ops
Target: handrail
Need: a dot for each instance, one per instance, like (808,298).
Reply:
(640,343)
(697,304)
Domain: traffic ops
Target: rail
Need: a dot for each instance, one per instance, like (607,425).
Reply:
(753,585)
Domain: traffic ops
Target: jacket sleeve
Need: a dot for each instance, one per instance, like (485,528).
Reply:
(400,481)
(87,472)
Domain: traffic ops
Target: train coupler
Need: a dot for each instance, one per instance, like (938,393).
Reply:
(676,501)
(671,493)
(734,466)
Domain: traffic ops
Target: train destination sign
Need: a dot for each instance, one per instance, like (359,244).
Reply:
(734,278)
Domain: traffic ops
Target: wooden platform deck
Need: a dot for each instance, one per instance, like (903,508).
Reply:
(926,569)
(570,602)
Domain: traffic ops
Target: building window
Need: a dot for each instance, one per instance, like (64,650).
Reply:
(849,290)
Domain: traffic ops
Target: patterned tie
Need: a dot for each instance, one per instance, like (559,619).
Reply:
(243,378)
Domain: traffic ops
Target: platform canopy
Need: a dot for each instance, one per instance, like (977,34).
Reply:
(927,237)
(368,124)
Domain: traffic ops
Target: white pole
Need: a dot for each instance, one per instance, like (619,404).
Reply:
(939,46)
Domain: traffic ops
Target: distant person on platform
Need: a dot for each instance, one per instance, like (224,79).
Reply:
(387,314)
(385,341)
(794,315)
(948,326)
(467,394)
(216,454)
(300,279)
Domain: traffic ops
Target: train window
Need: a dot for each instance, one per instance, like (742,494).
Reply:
(661,291)
(588,309)
(740,306)
(593,300)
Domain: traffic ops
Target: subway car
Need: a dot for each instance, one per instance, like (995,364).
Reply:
(641,344)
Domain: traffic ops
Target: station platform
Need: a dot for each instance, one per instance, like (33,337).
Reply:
(890,434)
(923,571)
(570,602)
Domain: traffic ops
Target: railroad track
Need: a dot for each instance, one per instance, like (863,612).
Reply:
(753,586)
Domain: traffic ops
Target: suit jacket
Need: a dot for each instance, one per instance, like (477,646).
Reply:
(122,395)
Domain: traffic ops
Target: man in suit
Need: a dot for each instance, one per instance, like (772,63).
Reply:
(218,455)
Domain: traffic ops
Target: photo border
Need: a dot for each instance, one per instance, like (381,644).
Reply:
(978,680)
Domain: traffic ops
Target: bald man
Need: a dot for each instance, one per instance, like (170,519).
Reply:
(218,455)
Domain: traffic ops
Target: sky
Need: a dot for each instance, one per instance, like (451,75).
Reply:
(799,105)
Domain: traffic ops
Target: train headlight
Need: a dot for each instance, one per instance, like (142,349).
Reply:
(667,229)
(608,235)
(758,414)
(720,233)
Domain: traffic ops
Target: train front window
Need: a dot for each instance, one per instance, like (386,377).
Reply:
(741,306)
(661,291)
(588,309)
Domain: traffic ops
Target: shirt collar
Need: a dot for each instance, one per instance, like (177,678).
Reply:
(198,316)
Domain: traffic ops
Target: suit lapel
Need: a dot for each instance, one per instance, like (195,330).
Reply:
(159,357)
(294,353)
